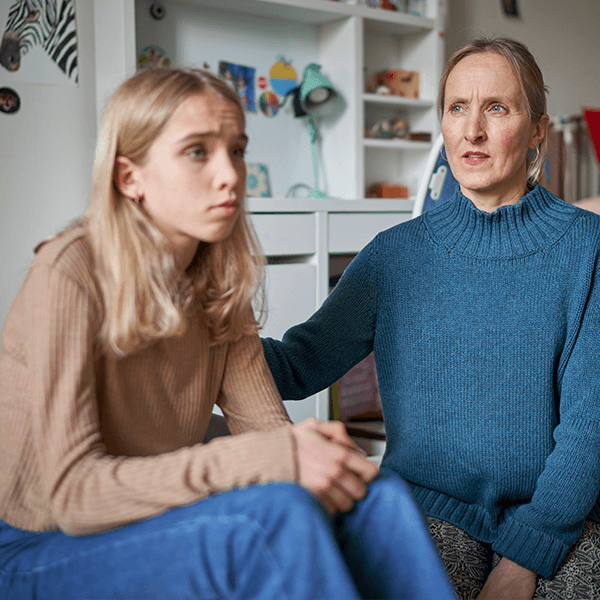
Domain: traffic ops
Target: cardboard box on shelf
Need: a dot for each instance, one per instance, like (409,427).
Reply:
(387,190)
(400,82)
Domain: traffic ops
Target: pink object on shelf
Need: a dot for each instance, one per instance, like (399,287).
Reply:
(592,118)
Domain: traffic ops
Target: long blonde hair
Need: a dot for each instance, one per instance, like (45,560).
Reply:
(145,297)
(529,76)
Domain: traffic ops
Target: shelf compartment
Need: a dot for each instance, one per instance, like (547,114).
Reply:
(397,101)
(322,11)
(395,23)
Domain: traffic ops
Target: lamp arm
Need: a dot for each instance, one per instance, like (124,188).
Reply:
(312,130)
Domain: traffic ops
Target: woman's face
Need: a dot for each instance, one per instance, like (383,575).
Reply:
(487,131)
(193,182)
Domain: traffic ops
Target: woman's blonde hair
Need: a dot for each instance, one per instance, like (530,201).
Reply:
(530,78)
(145,296)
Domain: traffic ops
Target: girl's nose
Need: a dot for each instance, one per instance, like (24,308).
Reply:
(227,175)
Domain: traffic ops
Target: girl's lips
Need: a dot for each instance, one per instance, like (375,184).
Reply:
(228,207)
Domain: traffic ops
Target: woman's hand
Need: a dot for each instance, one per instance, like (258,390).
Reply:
(330,465)
(509,581)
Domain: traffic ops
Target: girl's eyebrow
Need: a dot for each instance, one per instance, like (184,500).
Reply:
(207,134)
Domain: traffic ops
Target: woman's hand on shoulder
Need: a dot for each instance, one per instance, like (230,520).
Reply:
(509,581)
(330,465)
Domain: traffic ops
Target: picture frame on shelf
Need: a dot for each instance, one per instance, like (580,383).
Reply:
(257,181)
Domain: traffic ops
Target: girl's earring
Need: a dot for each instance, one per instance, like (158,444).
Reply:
(138,200)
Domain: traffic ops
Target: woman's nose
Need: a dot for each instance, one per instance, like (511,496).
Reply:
(475,131)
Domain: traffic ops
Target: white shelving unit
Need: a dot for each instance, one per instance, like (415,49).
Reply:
(306,243)
(301,237)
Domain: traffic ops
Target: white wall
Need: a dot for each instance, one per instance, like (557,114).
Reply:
(563,36)
(46,156)
(46,149)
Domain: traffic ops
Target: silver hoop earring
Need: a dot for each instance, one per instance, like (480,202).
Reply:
(442,153)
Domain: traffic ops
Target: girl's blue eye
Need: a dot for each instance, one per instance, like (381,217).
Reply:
(197,152)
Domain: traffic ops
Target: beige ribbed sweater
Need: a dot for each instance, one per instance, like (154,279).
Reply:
(89,442)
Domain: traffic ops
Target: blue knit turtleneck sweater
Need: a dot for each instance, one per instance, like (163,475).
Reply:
(486,332)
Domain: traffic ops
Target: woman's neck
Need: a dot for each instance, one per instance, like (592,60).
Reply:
(492,201)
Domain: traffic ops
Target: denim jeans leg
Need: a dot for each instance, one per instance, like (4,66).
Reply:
(387,546)
(261,542)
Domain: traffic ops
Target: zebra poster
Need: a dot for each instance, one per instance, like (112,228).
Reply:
(39,42)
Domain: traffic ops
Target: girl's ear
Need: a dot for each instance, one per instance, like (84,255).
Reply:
(127,178)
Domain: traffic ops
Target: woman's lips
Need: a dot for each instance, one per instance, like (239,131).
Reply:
(475,158)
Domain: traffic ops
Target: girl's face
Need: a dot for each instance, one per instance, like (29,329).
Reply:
(487,131)
(193,181)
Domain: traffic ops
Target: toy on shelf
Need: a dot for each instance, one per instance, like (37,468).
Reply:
(398,5)
(389,129)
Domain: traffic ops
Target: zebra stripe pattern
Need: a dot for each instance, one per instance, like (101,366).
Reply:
(43,23)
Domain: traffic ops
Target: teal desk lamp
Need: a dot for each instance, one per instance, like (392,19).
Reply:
(313,97)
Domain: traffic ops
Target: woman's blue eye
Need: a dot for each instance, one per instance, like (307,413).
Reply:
(197,152)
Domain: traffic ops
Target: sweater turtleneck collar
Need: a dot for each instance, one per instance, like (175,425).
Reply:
(536,222)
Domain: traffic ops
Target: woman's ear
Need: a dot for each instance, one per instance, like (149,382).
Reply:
(127,178)
(540,131)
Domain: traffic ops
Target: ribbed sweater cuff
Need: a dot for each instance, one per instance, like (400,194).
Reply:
(279,443)
(530,548)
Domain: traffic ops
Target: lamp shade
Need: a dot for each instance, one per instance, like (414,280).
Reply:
(310,97)
(315,89)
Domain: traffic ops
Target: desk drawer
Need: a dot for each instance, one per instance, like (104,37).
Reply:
(283,234)
(351,232)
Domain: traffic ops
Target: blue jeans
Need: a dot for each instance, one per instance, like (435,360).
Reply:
(266,542)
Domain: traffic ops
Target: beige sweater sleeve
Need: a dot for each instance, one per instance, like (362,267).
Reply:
(249,397)
(88,490)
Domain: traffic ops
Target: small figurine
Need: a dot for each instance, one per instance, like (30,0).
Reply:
(388,129)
